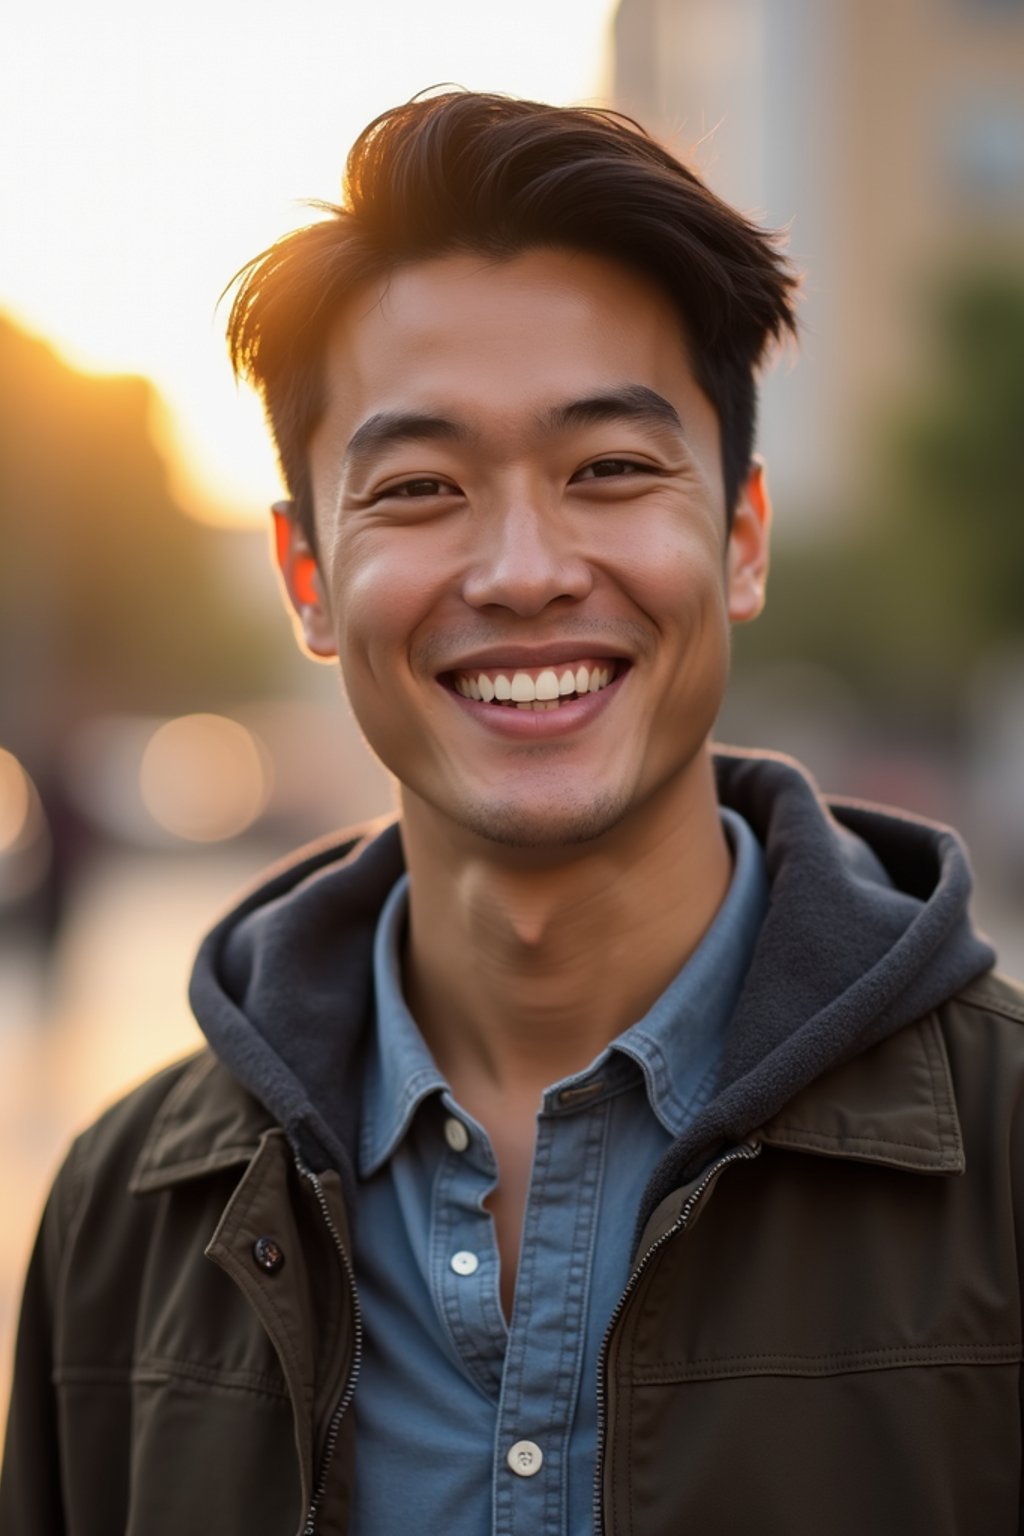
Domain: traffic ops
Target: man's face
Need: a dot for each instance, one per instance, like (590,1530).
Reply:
(522,554)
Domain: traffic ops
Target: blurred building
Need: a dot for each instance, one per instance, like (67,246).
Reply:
(888,138)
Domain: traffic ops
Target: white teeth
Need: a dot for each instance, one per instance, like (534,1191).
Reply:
(543,692)
(547,686)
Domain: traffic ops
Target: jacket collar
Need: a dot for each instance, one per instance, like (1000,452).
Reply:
(207,1122)
(893,1104)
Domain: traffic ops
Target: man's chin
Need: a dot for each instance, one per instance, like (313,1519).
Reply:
(510,824)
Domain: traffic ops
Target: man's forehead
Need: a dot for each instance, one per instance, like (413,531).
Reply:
(546,340)
(468,297)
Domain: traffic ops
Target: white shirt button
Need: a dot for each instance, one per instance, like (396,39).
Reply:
(525,1458)
(465,1263)
(455,1134)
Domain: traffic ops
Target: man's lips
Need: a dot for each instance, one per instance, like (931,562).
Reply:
(503,657)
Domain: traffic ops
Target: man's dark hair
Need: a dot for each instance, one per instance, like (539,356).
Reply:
(498,176)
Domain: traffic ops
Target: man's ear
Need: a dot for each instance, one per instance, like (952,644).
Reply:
(747,556)
(302,581)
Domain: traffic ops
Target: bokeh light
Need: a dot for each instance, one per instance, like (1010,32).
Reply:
(24,835)
(204,778)
(15,800)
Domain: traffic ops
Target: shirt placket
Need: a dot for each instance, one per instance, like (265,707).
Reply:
(464,1263)
(545,1349)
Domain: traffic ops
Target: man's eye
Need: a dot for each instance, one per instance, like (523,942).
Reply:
(606,469)
(424,485)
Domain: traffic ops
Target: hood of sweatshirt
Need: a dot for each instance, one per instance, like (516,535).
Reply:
(867,930)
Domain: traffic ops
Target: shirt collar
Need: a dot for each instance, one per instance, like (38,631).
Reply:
(400,1072)
(676,1045)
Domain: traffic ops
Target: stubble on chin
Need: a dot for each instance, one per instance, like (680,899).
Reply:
(562,824)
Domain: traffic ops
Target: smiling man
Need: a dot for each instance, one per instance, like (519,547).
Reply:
(623,1140)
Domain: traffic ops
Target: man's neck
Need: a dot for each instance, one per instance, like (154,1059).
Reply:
(520,970)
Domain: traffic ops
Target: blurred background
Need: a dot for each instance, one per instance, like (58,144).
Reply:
(161,739)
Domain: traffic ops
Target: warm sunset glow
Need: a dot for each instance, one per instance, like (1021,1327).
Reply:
(146,155)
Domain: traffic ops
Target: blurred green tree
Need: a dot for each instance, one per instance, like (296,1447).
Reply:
(926,573)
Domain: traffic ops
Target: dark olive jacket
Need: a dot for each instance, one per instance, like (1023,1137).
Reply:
(822,1332)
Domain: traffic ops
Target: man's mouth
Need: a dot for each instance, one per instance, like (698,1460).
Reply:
(535,688)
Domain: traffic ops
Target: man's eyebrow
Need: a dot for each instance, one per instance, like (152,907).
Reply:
(632,402)
(387,428)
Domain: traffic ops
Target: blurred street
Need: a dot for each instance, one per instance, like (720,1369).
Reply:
(110,1008)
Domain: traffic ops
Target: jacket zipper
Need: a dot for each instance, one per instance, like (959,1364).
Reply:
(742,1153)
(334,1427)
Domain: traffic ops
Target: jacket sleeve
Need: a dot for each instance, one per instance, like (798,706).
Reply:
(31,1497)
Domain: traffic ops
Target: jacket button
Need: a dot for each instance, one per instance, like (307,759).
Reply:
(268,1254)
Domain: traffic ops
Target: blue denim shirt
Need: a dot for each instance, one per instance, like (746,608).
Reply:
(464,1424)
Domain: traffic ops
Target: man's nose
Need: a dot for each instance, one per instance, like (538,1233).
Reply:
(525,558)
